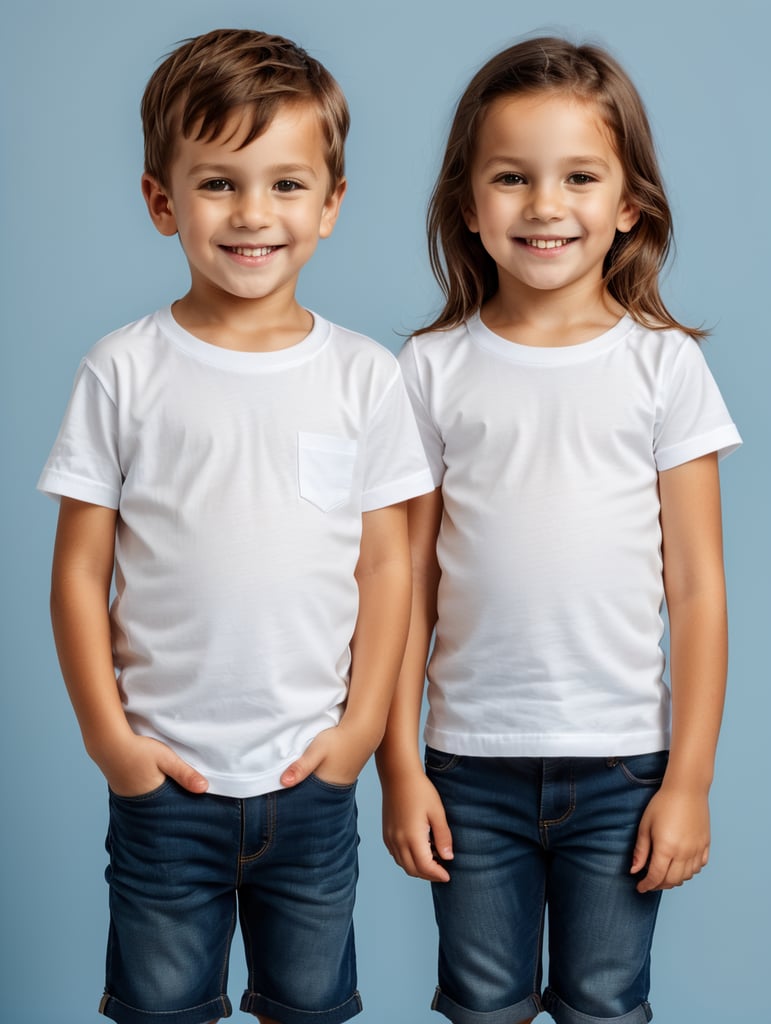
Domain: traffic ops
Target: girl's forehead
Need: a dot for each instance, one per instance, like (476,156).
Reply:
(550,120)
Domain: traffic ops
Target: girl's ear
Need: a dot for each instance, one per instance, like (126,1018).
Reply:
(470,218)
(159,205)
(628,215)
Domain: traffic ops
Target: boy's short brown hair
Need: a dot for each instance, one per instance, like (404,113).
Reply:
(198,86)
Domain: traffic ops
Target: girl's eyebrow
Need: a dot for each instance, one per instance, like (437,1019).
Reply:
(583,161)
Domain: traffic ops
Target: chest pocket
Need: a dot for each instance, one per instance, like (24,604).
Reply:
(325,469)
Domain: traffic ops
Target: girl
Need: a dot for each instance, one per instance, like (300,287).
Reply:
(573,429)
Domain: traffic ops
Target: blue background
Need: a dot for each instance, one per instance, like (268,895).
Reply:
(79,258)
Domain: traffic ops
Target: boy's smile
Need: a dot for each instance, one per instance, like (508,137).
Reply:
(548,193)
(248,218)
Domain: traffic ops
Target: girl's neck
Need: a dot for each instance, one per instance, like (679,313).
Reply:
(545,320)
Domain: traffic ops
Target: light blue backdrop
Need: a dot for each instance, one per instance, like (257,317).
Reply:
(79,257)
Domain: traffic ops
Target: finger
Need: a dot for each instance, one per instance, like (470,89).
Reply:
(419,862)
(642,850)
(182,772)
(300,769)
(656,874)
(441,838)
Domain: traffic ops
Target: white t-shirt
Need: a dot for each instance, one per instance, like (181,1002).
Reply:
(549,630)
(240,480)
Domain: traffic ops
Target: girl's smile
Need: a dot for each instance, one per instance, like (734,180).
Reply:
(547,194)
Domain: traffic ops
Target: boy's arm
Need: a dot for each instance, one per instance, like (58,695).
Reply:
(674,834)
(413,815)
(80,593)
(383,576)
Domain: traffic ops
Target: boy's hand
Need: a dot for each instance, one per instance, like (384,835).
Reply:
(336,755)
(141,764)
(673,839)
(415,828)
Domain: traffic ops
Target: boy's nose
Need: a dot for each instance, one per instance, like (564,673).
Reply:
(252,210)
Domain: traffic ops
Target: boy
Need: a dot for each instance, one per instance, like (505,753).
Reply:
(243,465)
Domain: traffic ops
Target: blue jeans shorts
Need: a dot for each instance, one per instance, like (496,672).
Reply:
(183,867)
(541,841)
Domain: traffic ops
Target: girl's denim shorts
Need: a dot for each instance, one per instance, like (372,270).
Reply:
(544,844)
(185,868)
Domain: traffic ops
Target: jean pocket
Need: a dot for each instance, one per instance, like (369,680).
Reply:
(335,787)
(142,797)
(325,469)
(643,769)
(439,760)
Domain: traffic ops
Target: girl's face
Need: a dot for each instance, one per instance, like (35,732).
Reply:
(548,194)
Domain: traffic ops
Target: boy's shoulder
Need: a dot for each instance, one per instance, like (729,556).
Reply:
(353,344)
(133,336)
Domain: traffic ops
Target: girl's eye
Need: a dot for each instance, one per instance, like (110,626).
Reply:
(216,185)
(510,178)
(285,185)
(580,179)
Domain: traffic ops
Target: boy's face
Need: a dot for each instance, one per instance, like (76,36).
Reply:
(248,219)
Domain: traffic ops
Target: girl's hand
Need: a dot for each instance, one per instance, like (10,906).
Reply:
(138,765)
(673,839)
(415,828)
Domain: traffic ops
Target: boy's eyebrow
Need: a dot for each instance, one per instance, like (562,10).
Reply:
(279,170)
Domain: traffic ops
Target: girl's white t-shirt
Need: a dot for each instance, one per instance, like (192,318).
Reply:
(548,641)
(240,480)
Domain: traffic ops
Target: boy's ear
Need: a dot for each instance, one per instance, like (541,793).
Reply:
(159,206)
(332,209)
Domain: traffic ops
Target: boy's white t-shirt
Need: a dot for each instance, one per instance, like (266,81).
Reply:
(550,625)
(240,480)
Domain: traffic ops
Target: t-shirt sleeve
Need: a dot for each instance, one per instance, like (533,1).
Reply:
(692,418)
(433,445)
(396,467)
(84,461)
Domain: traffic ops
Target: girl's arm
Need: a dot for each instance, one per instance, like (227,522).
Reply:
(80,593)
(383,575)
(674,834)
(413,816)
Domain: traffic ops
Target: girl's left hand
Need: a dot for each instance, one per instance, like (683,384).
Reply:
(673,839)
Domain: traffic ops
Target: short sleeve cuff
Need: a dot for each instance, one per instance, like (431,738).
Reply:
(723,440)
(58,485)
(398,490)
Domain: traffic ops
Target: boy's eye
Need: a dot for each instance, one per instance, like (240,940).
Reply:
(286,185)
(580,179)
(216,185)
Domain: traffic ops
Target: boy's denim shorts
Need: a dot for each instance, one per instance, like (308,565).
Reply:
(541,841)
(183,867)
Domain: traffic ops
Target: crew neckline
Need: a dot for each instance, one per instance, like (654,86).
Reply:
(555,355)
(244,362)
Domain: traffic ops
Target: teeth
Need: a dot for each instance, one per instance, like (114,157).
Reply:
(263,250)
(547,243)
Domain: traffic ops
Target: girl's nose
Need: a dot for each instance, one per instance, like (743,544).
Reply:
(545,202)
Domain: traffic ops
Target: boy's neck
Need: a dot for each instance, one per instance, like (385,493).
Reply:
(244,325)
(543,319)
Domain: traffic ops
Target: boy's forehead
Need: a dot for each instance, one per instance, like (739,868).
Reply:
(241,125)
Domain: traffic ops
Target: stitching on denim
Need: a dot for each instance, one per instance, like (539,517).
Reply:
(635,779)
(545,824)
(270,831)
(454,759)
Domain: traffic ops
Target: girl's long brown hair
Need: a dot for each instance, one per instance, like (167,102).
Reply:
(465,271)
